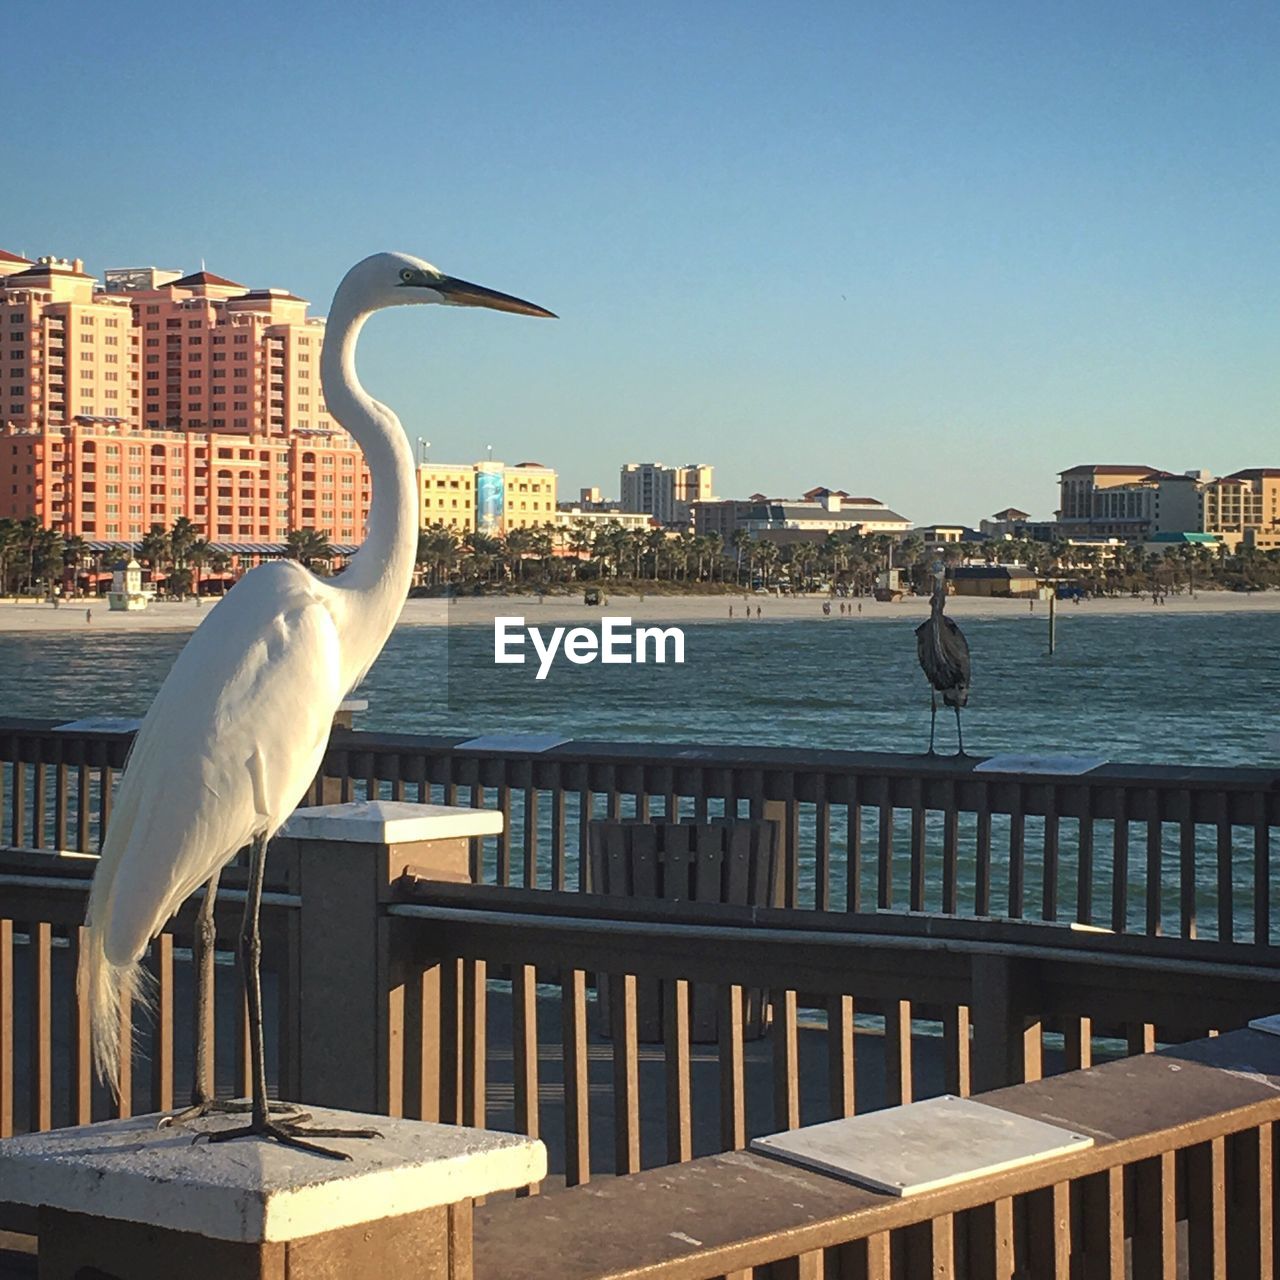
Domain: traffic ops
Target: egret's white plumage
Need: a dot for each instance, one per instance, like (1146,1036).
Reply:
(239,727)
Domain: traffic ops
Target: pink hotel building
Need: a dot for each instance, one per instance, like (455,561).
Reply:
(158,396)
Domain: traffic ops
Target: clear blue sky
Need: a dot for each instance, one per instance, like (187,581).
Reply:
(933,252)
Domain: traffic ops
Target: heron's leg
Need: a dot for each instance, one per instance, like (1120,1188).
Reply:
(933,718)
(285,1131)
(959,735)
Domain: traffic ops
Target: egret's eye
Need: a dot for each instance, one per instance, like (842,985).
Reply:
(406,275)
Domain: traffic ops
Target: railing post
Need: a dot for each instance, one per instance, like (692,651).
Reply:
(350,987)
(998,983)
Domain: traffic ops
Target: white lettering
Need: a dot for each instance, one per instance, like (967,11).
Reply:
(546,653)
(615,643)
(504,637)
(581,645)
(660,636)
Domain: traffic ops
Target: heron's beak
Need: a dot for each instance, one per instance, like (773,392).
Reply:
(461,293)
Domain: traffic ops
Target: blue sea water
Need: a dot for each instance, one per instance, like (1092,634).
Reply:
(1150,688)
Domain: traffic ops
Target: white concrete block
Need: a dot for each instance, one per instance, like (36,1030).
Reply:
(390,822)
(922,1146)
(253,1190)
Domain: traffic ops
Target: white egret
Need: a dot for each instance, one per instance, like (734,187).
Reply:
(238,729)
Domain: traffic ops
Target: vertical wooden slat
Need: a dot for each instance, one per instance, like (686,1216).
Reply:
(6,1028)
(897,1052)
(991,1240)
(822,847)
(929,1249)
(106,783)
(841,1065)
(1226,868)
(451,1002)
(917,882)
(505,869)
(676,1052)
(1077,1043)
(1261,872)
(869,1259)
(950,851)
(160,963)
(1187,871)
(84,807)
(38,799)
(474,1045)
(955,1048)
(524,1045)
(1017,853)
(18,806)
(1206,1208)
(1251,1208)
(60,780)
(1098,1225)
(530,837)
(853,849)
(1049,895)
(733,1121)
(626,1074)
(80,1059)
(982,854)
(1049,1232)
(786,1062)
(884,864)
(242,1065)
(1155,1237)
(124,1104)
(586,811)
(557,838)
(1155,863)
(1120,863)
(1084,860)
(577,1136)
(40,933)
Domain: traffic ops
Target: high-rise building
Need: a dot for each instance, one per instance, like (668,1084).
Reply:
(666,493)
(167,395)
(1243,507)
(1105,501)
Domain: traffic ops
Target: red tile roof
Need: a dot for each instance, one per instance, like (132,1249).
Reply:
(1104,469)
(1256,473)
(204,277)
(11,257)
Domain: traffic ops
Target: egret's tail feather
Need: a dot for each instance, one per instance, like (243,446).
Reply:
(109,989)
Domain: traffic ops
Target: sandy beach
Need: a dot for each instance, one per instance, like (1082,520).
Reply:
(552,609)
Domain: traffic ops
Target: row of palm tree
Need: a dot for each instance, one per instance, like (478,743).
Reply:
(33,559)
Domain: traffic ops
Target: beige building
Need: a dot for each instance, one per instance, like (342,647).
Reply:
(486,497)
(1127,502)
(666,493)
(1243,507)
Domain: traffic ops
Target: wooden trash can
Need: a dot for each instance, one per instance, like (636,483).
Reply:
(725,860)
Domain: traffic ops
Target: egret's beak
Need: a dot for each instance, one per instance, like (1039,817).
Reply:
(461,293)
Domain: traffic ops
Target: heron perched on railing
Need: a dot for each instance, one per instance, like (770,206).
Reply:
(944,659)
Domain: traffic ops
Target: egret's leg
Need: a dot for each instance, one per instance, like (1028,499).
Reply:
(933,718)
(285,1131)
(959,735)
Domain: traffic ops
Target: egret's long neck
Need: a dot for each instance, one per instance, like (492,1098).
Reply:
(377,580)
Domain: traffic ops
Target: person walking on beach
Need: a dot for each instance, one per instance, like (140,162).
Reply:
(88,615)
(731,611)
(758,611)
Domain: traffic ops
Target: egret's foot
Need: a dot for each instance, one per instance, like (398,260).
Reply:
(227,1107)
(290,1133)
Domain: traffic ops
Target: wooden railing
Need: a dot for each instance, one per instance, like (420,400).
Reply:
(46,1076)
(1133,848)
(1180,1181)
(493,991)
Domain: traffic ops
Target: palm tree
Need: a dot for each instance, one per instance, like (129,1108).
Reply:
(739,540)
(308,546)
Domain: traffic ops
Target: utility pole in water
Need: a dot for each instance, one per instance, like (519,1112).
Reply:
(1053,620)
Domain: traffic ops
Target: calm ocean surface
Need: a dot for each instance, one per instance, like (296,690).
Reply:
(1201,689)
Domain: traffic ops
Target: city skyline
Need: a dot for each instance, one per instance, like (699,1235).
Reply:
(934,251)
